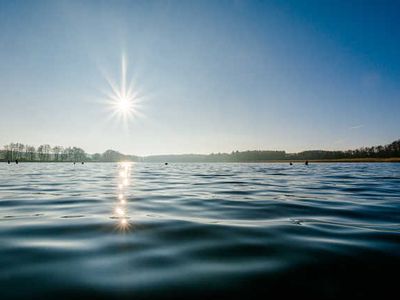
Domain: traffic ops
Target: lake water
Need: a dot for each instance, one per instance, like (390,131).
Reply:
(194,230)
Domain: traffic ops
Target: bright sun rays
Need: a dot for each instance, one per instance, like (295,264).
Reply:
(123,99)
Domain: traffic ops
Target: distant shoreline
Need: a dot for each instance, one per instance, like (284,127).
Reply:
(46,153)
(344,160)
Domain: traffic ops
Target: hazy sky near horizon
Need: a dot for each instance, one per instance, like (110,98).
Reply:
(212,76)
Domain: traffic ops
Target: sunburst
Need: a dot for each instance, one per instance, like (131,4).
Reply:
(123,99)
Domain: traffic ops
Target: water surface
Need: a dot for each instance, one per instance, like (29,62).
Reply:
(194,230)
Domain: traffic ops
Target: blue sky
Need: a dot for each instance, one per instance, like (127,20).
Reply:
(213,76)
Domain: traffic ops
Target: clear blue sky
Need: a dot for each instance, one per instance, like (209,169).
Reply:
(214,76)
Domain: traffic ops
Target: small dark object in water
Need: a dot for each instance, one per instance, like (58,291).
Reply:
(16,161)
(74,162)
(83,163)
(291,164)
(166,163)
(306,163)
(8,161)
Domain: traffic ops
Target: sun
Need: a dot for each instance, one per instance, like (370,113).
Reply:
(124,106)
(123,98)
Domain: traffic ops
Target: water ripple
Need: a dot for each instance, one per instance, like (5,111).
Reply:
(199,230)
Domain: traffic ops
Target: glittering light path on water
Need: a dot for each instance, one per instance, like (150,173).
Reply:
(121,208)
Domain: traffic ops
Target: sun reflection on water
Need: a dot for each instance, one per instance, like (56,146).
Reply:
(121,210)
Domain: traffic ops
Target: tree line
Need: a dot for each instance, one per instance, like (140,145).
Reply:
(23,152)
(388,151)
(391,150)
(45,153)
(235,156)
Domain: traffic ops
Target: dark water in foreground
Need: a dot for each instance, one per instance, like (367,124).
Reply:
(194,230)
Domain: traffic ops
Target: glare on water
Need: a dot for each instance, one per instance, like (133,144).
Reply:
(121,210)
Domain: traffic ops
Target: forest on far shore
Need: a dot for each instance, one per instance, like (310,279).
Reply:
(47,153)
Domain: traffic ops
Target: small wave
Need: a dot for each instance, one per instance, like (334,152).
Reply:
(199,230)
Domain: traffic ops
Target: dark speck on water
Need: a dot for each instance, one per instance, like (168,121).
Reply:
(137,231)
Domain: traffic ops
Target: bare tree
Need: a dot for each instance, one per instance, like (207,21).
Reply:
(20,150)
(46,151)
(30,152)
(40,152)
(57,150)
(8,150)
